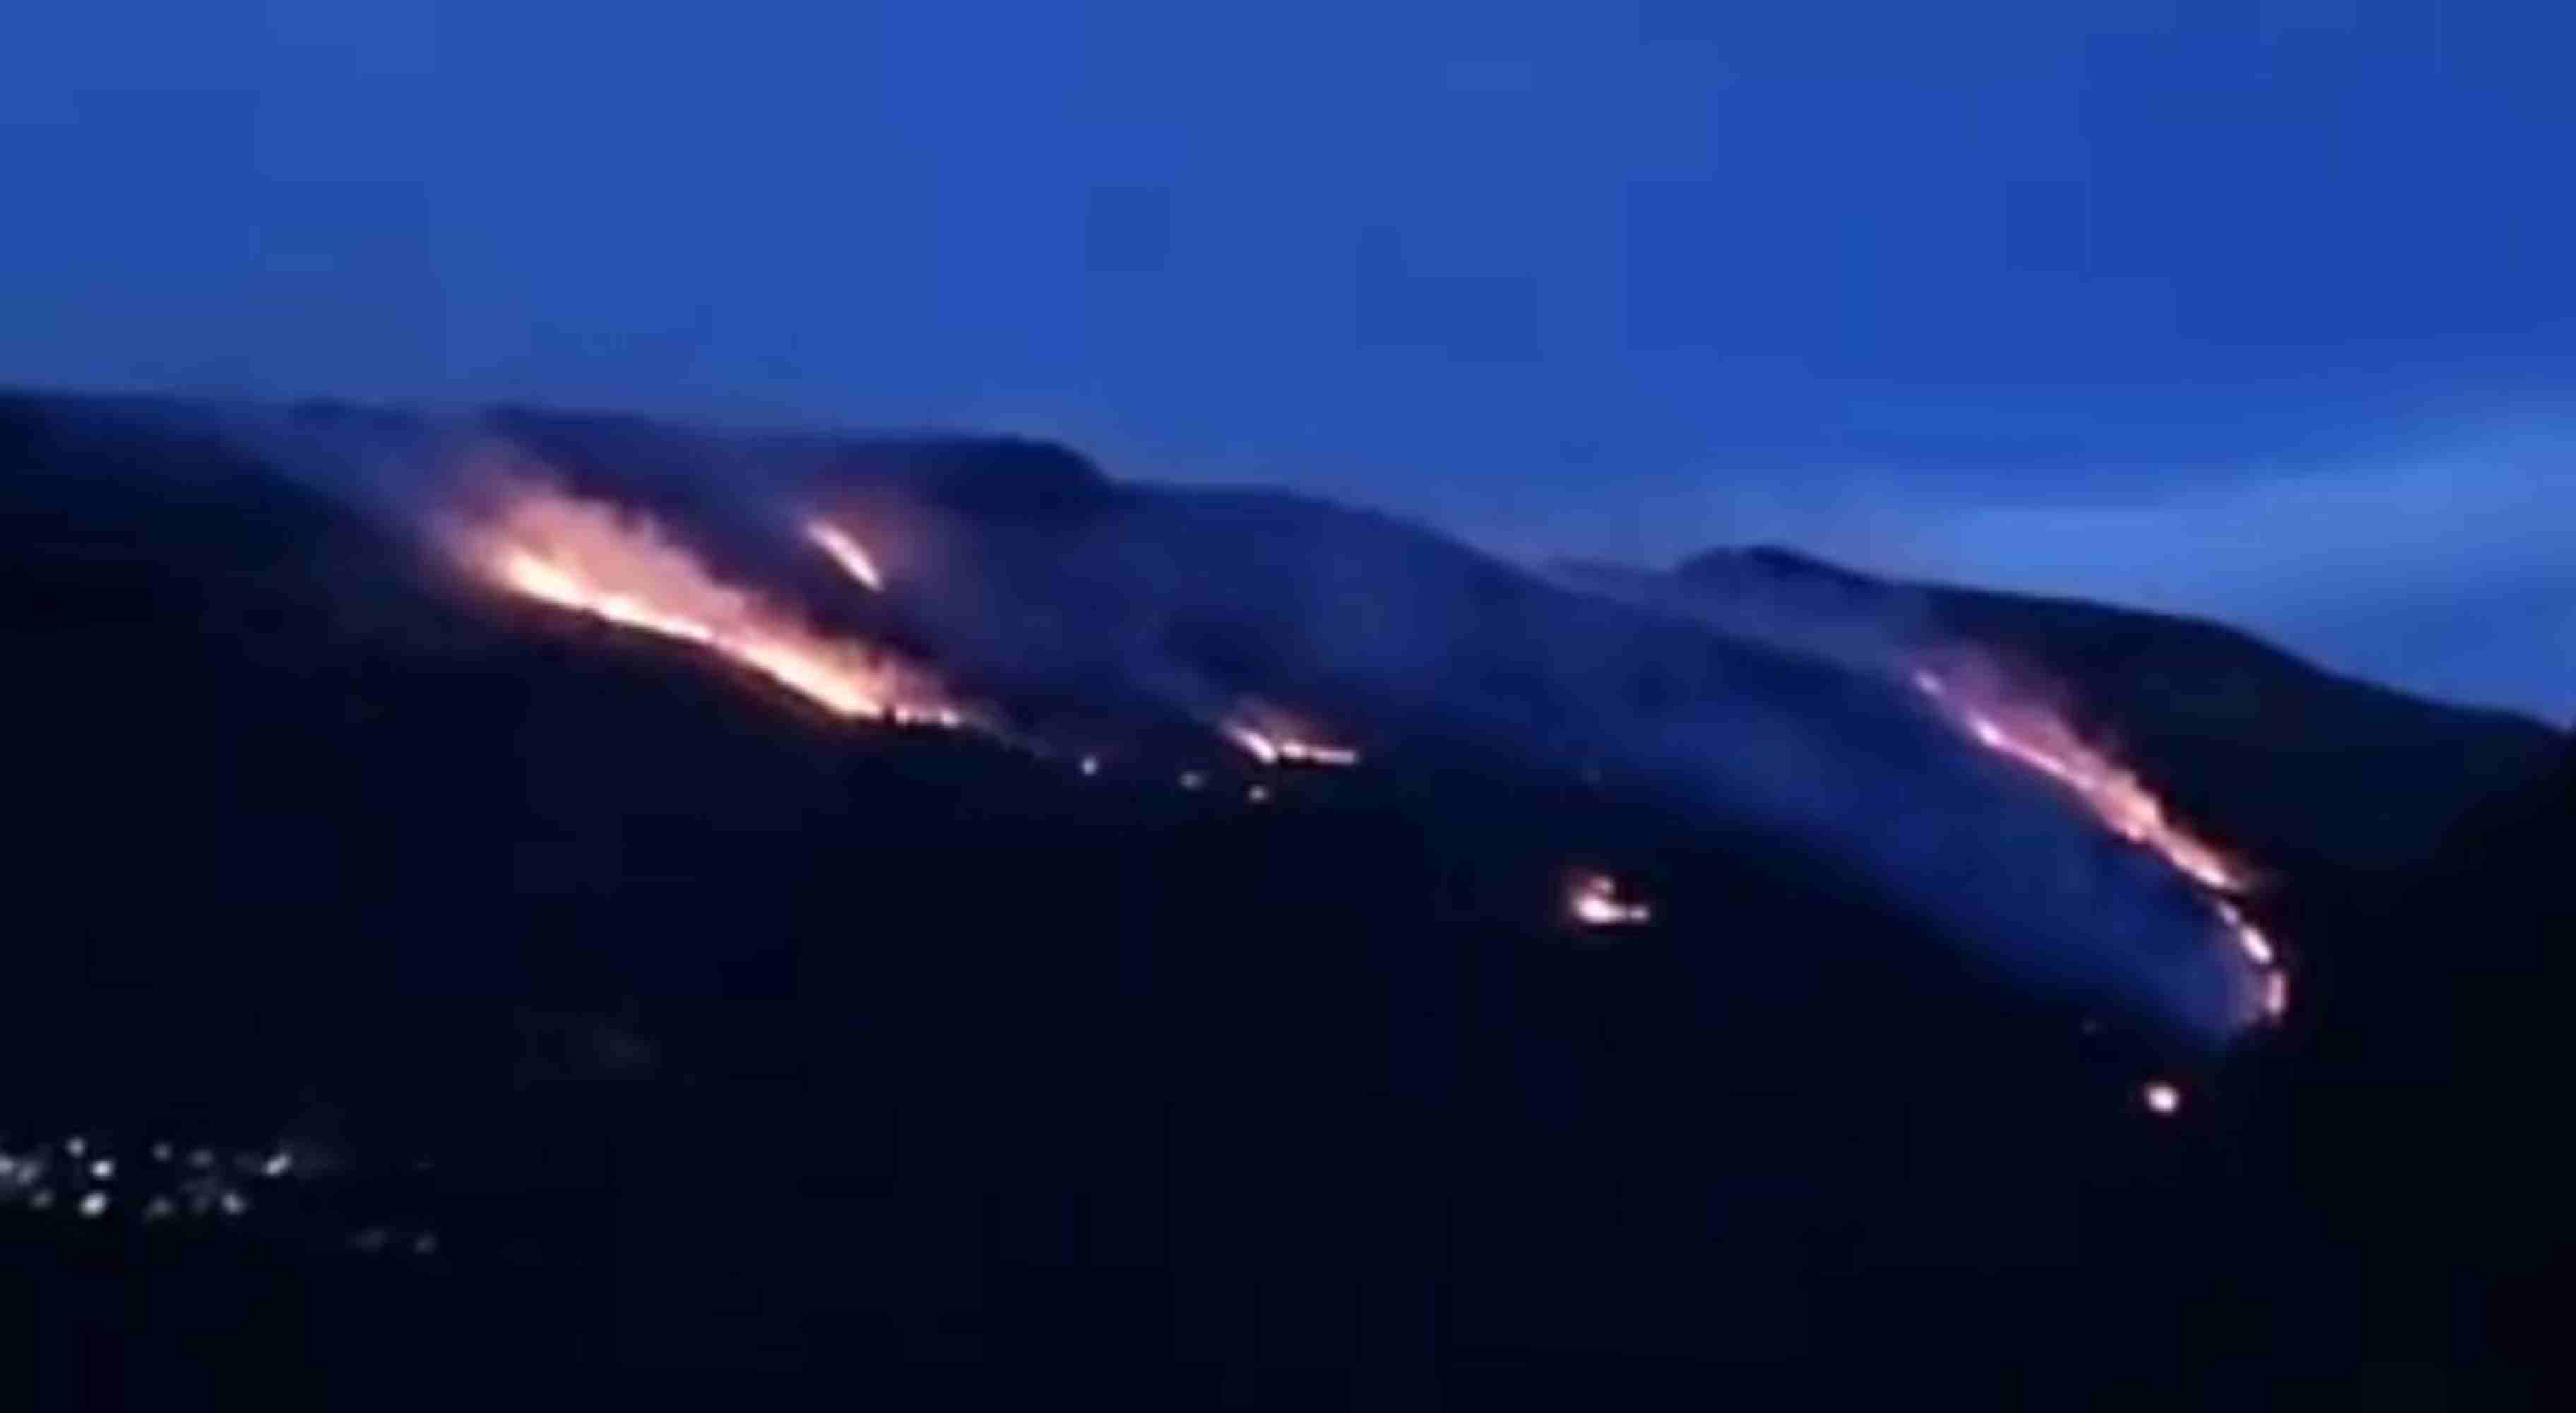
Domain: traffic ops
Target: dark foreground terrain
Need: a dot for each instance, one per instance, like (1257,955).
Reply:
(710,1039)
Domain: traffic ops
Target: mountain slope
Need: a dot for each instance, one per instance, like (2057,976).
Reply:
(921,1063)
(2293,765)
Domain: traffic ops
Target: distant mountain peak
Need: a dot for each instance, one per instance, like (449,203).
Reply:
(1776,559)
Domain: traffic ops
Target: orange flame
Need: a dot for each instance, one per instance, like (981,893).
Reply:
(2116,796)
(2038,739)
(589,557)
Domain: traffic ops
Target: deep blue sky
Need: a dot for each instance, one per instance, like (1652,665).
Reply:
(2258,308)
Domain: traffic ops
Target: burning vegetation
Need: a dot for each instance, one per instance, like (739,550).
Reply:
(2041,741)
(539,541)
(620,567)
(2124,805)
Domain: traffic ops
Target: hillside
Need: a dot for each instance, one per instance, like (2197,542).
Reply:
(2290,763)
(919,1063)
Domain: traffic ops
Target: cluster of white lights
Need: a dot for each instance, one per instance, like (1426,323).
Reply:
(81,1178)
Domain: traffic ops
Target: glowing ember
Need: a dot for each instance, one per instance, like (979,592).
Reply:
(587,557)
(846,552)
(1595,902)
(1274,748)
(2162,1098)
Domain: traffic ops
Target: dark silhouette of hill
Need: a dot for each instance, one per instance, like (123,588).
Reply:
(908,1066)
(2490,922)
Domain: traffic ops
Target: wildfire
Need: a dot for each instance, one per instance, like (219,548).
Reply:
(846,552)
(2040,740)
(1595,902)
(1274,748)
(2117,797)
(588,557)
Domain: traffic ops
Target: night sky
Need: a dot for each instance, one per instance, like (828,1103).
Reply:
(2262,309)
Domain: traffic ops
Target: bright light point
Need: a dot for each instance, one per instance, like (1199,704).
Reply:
(1191,779)
(1091,765)
(1596,903)
(1274,747)
(76,1145)
(1260,746)
(1257,794)
(102,1170)
(277,1164)
(846,552)
(2276,994)
(1305,753)
(234,1204)
(94,1205)
(2163,1098)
